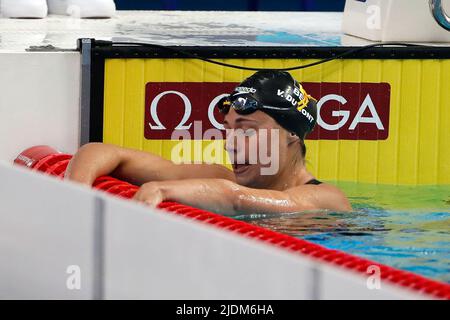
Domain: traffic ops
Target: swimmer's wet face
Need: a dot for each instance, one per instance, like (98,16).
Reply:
(258,148)
(275,106)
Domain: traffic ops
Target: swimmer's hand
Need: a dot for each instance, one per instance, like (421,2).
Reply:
(150,194)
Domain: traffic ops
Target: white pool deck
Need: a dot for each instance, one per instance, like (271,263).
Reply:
(202,28)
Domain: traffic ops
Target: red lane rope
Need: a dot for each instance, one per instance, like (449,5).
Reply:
(56,164)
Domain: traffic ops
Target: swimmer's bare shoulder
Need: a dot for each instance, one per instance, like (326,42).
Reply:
(97,159)
(322,196)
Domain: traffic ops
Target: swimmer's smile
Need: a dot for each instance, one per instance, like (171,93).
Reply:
(240,168)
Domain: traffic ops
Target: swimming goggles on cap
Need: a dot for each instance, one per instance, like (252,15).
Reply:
(245,104)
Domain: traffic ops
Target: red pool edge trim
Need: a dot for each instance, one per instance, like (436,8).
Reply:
(405,279)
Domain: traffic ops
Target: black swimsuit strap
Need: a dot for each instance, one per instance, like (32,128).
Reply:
(313,181)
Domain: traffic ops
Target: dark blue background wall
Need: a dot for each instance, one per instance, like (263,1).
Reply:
(262,5)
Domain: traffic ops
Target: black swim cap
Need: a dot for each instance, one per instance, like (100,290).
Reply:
(292,107)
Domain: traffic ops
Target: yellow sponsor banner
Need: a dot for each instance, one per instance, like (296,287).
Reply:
(416,151)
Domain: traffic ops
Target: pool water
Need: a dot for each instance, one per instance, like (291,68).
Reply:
(405,227)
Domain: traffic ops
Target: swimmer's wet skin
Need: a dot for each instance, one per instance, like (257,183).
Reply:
(268,100)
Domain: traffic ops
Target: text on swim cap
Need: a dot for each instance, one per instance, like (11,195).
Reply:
(245,90)
(287,96)
(294,102)
(307,115)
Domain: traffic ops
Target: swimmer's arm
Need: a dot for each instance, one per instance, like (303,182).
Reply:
(97,159)
(300,198)
(226,197)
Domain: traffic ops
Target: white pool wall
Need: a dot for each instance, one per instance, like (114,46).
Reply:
(127,251)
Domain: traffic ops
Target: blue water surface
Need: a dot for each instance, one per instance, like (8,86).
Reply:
(404,227)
